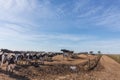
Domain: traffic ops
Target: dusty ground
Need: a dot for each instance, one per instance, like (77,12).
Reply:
(111,69)
(59,69)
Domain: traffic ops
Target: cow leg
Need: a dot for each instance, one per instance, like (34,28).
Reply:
(8,68)
(12,67)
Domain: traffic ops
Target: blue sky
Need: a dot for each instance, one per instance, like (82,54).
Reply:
(49,25)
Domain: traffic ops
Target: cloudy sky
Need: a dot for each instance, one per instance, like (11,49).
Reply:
(49,25)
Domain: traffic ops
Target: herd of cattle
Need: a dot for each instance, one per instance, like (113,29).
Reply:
(11,58)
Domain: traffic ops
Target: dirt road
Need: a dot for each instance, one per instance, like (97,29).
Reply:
(111,69)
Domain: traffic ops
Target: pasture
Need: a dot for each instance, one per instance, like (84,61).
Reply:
(116,57)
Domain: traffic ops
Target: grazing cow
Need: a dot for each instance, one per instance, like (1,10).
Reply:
(67,53)
(28,58)
(3,55)
(50,55)
(11,63)
(42,58)
(16,58)
(20,59)
(3,58)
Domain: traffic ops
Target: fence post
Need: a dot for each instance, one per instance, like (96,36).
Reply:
(88,63)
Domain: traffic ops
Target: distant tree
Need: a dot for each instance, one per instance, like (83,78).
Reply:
(99,52)
(91,52)
(6,50)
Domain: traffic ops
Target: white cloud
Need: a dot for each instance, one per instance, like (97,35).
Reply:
(26,11)
(79,4)
(68,37)
(22,16)
(90,12)
(110,19)
(19,32)
(106,17)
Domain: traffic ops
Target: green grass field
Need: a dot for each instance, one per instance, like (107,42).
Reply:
(116,57)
